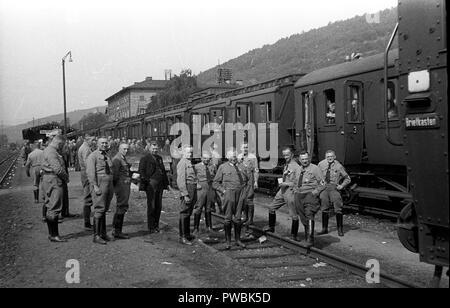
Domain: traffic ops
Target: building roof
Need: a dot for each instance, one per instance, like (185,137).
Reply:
(147,84)
(346,69)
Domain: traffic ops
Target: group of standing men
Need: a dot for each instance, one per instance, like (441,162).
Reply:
(305,188)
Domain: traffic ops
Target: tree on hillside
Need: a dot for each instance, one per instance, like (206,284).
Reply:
(92,120)
(177,91)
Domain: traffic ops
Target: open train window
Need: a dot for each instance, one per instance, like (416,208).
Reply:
(354,103)
(330,107)
(217,116)
(243,113)
(263,112)
(392,102)
(162,126)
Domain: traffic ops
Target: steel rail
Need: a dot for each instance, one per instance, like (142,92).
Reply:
(334,260)
(9,167)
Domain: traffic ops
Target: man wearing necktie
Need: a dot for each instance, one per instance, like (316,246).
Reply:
(309,188)
(336,179)
(205,196)
(121,183)
(286,193)
(229,181)
(98,170)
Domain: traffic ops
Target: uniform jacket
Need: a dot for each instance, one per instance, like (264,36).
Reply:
(120,170)
(53,163)
(291,173)
(186,174)
(83,152)
(337,173)
(151,167)
(35,160)
(250,163)
(97,164)
(228,178)
(200,168)
(312,180)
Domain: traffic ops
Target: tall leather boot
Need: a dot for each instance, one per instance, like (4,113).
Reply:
(340,223)
(237,234)
(187,229)
(227,229)
(272,220)
(184,231)
(325,218)
(197,218)
(294,230)
(310,237)
(103,233)
(54,233)
(97,232)
(87,218)
(208,221)
(36,196)
(306,231)
(44,213)
(118,224)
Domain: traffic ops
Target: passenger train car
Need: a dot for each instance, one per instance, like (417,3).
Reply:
(423,92)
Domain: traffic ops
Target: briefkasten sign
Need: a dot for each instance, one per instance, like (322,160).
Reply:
(422,121)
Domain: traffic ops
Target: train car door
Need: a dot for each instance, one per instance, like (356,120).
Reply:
(354,122)
(244,116)
(309,122)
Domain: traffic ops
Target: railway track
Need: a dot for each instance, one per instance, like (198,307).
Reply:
(288,263)
(7,162)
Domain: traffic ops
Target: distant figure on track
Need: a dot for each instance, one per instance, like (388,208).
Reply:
(334,173)
(34,162)
(54,175)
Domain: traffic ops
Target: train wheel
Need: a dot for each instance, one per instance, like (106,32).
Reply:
(348,195)
(407,231)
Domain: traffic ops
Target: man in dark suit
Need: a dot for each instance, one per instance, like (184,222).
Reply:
(153,181)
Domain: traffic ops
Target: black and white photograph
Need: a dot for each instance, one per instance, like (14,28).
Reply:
(224,151)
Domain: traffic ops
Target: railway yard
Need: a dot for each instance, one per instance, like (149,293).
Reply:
(28,259)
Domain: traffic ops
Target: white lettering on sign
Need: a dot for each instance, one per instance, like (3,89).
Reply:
(421,122)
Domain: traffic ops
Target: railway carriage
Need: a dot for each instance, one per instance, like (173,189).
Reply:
(424,224)
(342,108)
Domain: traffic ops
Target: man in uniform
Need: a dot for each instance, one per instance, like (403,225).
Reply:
(65,213)
(334,173)
(250,163)
(34,163)
(98,170)
(83,152)
(54,174)
(229,181)
(286,194)
(121,182)
(205,174)
(187,184)
(153,181)
(310,186)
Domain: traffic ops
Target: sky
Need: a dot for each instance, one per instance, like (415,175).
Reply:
(116,43)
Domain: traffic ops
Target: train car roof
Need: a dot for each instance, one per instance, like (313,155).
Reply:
(346,69)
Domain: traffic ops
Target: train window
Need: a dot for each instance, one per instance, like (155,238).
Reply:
(305,107)
(354,104)
(263,112)
(392,103)
(217,116)
(330,107)
(243,113)
(163,127)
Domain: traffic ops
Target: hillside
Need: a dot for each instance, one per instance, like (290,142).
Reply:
(310,50)
(14,133)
